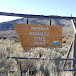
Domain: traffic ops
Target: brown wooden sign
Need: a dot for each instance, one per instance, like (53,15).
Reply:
(39,35)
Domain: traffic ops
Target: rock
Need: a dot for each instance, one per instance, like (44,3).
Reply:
(64,41)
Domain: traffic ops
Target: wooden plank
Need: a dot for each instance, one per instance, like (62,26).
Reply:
(42,35)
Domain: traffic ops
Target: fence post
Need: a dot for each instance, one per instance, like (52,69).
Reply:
(74,55)
(50,22)
(74,46)
(27,73)
(27,21)
(8,73)
(20,67)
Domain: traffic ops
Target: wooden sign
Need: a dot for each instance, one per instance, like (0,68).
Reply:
(39,35)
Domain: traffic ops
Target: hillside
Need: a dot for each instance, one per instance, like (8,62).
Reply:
(4,26)
(9,46)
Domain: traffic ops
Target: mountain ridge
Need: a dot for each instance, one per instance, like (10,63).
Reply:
(9,25)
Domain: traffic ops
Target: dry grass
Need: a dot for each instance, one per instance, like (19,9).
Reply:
(10,47)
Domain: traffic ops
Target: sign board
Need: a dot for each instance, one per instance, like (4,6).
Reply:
(39,35)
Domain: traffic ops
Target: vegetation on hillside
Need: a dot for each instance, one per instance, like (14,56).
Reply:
(10,47)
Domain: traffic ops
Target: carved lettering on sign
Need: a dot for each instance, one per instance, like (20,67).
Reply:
(39,28)
(39,35)
(39,38)
(39,43)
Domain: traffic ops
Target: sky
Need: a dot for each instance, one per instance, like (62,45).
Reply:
(37,7)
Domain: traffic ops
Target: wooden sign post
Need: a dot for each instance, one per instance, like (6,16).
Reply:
(39,35)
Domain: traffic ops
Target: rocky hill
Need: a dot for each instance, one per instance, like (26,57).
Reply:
(9,25)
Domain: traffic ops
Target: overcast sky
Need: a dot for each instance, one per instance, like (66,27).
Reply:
(38,7)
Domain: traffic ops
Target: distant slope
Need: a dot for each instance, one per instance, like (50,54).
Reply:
(4,26)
